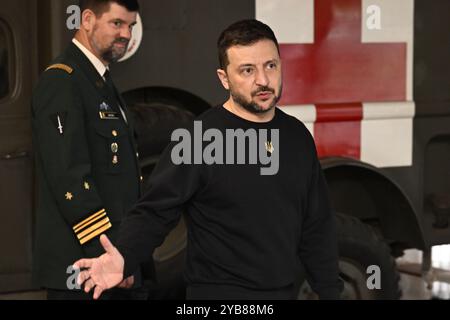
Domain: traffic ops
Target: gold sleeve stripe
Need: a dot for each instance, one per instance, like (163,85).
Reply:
(95,233)
(85,221)
(93,228)
(60,66)
(89,222)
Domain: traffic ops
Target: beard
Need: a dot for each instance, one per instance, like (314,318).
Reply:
(111,54)
(252,106)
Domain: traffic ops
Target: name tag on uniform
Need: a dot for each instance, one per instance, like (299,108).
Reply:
(109,115)
(106,113)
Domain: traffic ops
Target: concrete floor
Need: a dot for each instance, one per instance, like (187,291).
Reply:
(415,288)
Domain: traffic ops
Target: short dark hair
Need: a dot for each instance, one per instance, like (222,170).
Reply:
(99,7)
(243,33)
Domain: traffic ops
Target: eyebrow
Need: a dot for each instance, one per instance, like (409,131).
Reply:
(271,61)
(122,21)
(246,65)
(252,65)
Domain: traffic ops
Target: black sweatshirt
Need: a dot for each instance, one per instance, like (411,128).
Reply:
(244,229)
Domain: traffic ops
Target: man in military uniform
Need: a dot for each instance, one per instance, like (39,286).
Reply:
(86,157)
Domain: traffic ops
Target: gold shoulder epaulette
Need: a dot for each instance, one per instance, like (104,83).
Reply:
(60,66)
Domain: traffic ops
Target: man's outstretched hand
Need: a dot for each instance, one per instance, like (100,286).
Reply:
(104,272)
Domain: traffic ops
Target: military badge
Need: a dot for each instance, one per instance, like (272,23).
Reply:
(105,107)
(58,121)
(106,113)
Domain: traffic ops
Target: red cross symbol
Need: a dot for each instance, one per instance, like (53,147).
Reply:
(338,72)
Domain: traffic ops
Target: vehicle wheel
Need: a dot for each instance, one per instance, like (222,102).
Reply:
(360,247)
(154,123)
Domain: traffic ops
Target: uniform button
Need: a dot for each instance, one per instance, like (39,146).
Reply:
(137,154)
(114,147)
(114,133)
(142,178)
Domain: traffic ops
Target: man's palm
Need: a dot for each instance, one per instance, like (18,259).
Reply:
(104,272)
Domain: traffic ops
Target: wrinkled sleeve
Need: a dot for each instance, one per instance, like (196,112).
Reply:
(145,227)
(318,245)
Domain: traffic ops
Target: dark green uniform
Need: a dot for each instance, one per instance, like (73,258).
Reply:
(87,166)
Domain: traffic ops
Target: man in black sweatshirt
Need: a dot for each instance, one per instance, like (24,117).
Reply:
(248,179)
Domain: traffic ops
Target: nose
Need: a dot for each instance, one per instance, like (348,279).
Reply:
(125,32)
(261,78)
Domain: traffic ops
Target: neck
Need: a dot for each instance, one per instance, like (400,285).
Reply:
(238,110)
(84,40)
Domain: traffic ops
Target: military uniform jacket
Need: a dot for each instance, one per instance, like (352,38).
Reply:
(86,163)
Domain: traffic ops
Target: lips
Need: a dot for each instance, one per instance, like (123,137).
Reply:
(121,44)
(264,94)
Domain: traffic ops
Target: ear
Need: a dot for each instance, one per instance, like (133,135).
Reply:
(88,19)
(222,74)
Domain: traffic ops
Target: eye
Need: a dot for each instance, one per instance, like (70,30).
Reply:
(247,71)
(117,24)
(272,65)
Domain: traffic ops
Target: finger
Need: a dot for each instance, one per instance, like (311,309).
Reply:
(122,285)
(106,244)
(98,292)
(82,277)
(131,281)
(126,283)
(89,285)
(83,263)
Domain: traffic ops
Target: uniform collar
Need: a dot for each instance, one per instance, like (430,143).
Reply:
(99,66)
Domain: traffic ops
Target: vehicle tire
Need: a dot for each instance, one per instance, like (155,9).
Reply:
(154,124)
(360,247)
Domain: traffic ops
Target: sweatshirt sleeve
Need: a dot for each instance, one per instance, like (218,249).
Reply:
(158,211)
(318,244)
